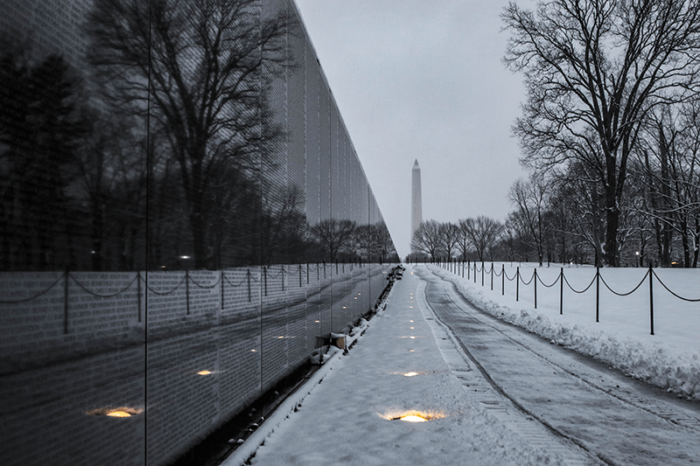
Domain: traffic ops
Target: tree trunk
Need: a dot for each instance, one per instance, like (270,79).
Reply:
(611,227)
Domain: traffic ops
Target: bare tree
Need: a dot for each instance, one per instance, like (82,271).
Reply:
(201,71)
(464,243)
(669,169)
(450,237)
(531,202)
(593,70)
(427,239)
(483,233)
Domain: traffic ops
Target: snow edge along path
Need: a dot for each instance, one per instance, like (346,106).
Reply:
(248,449)
(649,363)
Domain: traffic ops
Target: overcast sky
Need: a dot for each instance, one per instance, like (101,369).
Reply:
(423,79)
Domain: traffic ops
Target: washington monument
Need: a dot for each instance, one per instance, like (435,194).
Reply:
(416,206)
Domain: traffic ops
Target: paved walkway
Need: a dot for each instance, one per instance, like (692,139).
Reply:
(346,418)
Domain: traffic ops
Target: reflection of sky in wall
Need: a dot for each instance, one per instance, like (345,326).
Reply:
(424,80)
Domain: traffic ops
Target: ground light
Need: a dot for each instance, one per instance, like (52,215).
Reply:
(414,416)
(123,411)
(411,374)
(204,373)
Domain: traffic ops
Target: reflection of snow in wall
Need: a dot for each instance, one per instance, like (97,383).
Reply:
(416,205)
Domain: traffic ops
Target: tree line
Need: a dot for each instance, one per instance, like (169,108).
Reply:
(610,132)
(473,238)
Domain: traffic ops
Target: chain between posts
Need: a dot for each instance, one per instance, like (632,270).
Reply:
(689,300)
(41,293)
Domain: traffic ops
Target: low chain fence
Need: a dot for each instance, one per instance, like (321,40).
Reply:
(480,271)
(19,288)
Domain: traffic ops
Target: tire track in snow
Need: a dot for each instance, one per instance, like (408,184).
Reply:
(482,387)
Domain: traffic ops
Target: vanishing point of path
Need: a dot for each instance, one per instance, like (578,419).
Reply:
(613,419)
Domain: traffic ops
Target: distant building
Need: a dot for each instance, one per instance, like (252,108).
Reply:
(416,205)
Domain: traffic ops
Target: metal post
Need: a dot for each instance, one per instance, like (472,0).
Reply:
(561,291)
(517,283)
(138,291)
(469,268)
(491,276)
(597,294)
(482,273)
(65,302)
(265,278)
(503,279)
(300,276)
(187,290)
(534,279)
(248,275)
(307,273)
(221,280)
(651,299)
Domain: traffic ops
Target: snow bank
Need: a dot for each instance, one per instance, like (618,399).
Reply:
(657,360)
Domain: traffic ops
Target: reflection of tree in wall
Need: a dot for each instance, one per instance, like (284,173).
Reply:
(198,67)
(284,227)
(373,242)
(41,129)
(334,236)
(382,244)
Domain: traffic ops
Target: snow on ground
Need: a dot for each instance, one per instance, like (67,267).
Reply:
(670,358)
(346,419)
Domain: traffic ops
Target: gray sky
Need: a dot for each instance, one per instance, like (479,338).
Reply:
(423,79)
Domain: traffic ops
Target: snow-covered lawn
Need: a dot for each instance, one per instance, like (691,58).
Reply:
(621,338)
